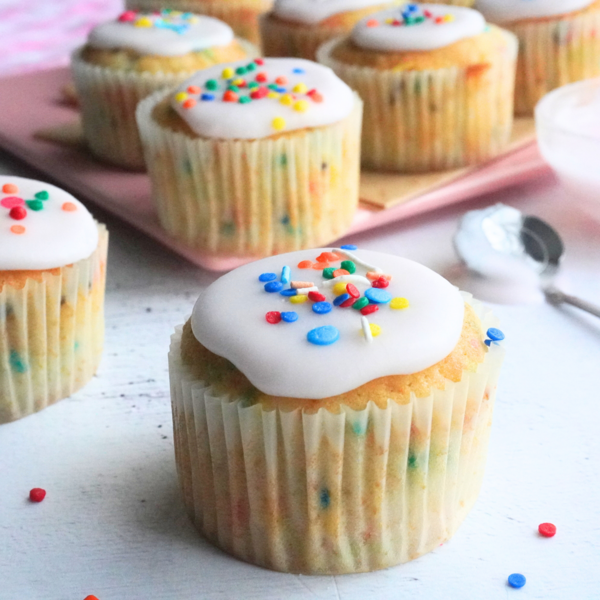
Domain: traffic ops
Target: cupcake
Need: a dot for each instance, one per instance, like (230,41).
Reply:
(298,27)
(437,84)
(241,15)
(127,59)
(332,410)
(52,273)
(253,159)
(559,43)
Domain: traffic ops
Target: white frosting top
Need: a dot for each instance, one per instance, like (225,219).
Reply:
(42,226)
(315,11)
(230,319)
(417,27)
(507,11)
(164,33)
(267,96)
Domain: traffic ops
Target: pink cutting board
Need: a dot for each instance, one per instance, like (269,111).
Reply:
(32,102)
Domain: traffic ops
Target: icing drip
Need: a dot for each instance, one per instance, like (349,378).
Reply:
(42,226)
(329,350)
(312,12)
(417,27)
(508,11)
(167,33)
(255,100)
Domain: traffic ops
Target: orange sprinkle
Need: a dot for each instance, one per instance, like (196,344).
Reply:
(69,207)
(18,229)
(372,23)
(320,266)
(281,80)
(316,97)
(10,188)
(372,276)
(194,89)
(298,285)
(327,257)
(339,272)
(230,96)
(91,598)
(189,103)
(305,264)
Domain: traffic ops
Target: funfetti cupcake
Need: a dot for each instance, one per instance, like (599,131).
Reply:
(332,410)
(437,84)
(52,274)
(241,15)
(559,43)
(127,59)
(254,158)
(298,27)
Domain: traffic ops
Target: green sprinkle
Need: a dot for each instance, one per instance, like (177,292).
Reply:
(349,266)
(272,86)
(35,204)
(412,461)
(324,498)
(328,273)
(360,303)
(16,362)
(251,67)
(43,195)
(245,100)
(241,70)
(212,84)
(283,160)
(253,85)
(228,228)
(233,88)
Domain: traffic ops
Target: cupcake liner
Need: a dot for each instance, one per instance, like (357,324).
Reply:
(467,3)
(253,197)
(241,15)
(51,334)
(554,52)
(422,121)
(328,493)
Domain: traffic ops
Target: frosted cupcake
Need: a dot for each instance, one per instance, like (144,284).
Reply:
(241,15)
(127,59)
(299,27)
(52,274)
(332,410)
(437,84)
(558,43)
(253,159)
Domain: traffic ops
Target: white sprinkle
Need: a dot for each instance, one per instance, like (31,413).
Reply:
(305,291)
(347,279)
(366,327)
(357,261)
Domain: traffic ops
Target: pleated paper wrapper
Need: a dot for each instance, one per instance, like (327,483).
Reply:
(51,334)
(432,120)
(241,15)
(253,197)
(108,99)
(332,493)
(554,52)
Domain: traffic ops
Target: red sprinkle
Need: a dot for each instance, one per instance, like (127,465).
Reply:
(439,20)
(128,15)
(259,93)
(230,96)
(194,89)
(382,282)
(189,103)
(259,61)
(273,317)
(17,213)
(353,290)
(369,309)
(37,494)
(11,201)
(547,529)
(397,23)
(348,303)
(261,77)
(90,598)
(281,80)
(316,297)
(427,14)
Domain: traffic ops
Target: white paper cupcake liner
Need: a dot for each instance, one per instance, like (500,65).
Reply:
(253,197)
(332,493)
(422,121)
(51,334)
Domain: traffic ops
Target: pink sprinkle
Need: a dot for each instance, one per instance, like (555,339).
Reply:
(128,15)
(12,201)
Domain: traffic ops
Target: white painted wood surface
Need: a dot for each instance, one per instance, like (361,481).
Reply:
(113,524)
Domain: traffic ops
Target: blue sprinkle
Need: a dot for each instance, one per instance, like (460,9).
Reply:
(273,286)
(289,317)
(324,498)
(412,7)
(378,296)
(495,334)
(267,277)
(516,580)
(207,97)
(281,90)
(349,247)
(323,336)
(298,71)
(321,308)
(285,275)
(341,299)
(289,292)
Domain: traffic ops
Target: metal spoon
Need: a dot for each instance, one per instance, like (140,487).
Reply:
(484,236)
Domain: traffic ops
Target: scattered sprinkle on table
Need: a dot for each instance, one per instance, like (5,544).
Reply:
(516,580)
(37,494)
(547,530)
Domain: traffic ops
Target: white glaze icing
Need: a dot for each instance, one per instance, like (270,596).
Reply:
(312,12)
(217,118)
(229,319)
(507,11)
(52,237)
(166,35)
(381,31)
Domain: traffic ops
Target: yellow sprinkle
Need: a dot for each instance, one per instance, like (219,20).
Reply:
(273,95)
(286,100)
(448,18)
(389,21)
(301,106)
(300,88)
(181,96)
(375,329)
(143,22)
(339,289)
(399,303)
(175,13)
(227,73)
(279,123)
(299,299)
(238,81)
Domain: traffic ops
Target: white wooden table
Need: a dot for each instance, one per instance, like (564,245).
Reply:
(113,523)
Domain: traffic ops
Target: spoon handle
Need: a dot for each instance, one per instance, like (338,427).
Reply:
(556,297)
